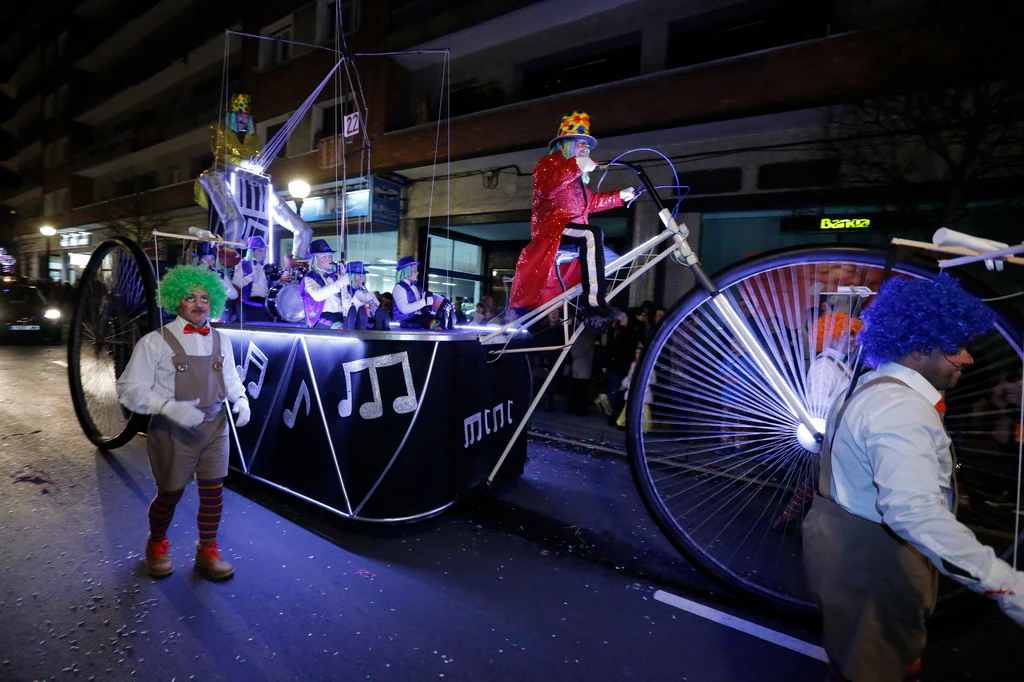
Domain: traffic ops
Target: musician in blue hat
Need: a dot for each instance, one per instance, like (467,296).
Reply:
(252,281)
(364,305)
(414,307)
(324,288)
(205,255)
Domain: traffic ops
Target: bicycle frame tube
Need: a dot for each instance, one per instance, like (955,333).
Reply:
(725,308)
(681,252)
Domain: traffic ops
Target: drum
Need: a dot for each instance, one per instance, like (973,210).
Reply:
(284,302)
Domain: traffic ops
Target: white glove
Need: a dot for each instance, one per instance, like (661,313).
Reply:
(585,163)
(202,234)
(429,300)
(627,194)
(241,409)
(1005,585)
(1013,606)
(183,412)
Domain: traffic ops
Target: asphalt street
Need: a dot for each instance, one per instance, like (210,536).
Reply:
(552,577)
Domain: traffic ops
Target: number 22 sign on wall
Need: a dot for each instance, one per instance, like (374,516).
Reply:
(352,124)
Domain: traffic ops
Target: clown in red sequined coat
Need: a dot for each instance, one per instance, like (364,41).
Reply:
(560,197)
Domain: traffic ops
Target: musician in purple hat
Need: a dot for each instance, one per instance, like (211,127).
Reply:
(414,307)
(324,288)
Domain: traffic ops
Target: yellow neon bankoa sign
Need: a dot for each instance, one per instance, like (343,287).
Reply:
(845,223)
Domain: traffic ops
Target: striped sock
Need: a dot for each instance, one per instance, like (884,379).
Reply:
(210,508)
(161,511)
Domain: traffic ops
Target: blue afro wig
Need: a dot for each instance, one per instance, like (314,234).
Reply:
(920,315)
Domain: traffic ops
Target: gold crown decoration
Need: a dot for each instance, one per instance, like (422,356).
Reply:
(574,126)
(240,103)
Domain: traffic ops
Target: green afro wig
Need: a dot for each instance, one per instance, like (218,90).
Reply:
(182,280)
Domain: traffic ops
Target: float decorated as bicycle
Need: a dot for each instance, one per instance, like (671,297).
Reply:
(723,422)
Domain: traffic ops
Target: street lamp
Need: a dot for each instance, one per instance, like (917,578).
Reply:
(299,189)
(47,232)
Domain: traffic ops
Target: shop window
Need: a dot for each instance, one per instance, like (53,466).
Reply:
(376,250)
(607,61)
(450,254)
(797,174)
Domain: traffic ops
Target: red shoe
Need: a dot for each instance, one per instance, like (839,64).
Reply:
(208,562)
(158,561)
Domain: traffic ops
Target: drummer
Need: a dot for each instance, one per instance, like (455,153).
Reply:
(252,281)
(206,255)
(364,306)
(325,294)
(414,307)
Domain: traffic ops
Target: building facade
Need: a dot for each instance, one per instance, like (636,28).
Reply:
(107,104)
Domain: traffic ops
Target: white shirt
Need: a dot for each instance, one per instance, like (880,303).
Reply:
(334,293)
(258,278)
(891,463)
(402,301)
(148,380)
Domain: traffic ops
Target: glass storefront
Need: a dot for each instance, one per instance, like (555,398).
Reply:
(456,270)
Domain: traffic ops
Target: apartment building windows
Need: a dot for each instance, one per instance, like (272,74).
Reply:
(55,153)
(798,174)
(55,201)
(606,61)
(295,143)
(742,28)
(198,164)
(55,50)
(279,50)
(327,18)
(55,102)
(329,117)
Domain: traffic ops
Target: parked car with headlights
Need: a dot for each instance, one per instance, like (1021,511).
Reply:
(26,314)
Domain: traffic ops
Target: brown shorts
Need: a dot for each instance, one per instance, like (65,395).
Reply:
(177,454)
(875,592)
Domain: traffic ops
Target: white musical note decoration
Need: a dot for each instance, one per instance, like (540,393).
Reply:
(290,415)
(497,413)
(372,410)
(254,356)
(467,427)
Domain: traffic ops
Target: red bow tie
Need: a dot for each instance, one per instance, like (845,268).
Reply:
(940,407)
(190,328)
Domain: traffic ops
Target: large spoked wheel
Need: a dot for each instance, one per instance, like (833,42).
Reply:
(716,454)
(116,307)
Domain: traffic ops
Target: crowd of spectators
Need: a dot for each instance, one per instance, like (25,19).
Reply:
(58,294)
(596,375)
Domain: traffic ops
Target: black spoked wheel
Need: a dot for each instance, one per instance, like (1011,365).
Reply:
(717,457)
(116,307)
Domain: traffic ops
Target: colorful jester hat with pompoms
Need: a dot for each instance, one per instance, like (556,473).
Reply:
(574,126)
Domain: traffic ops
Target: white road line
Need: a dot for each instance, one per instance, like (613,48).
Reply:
(785,641)
(59,362)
